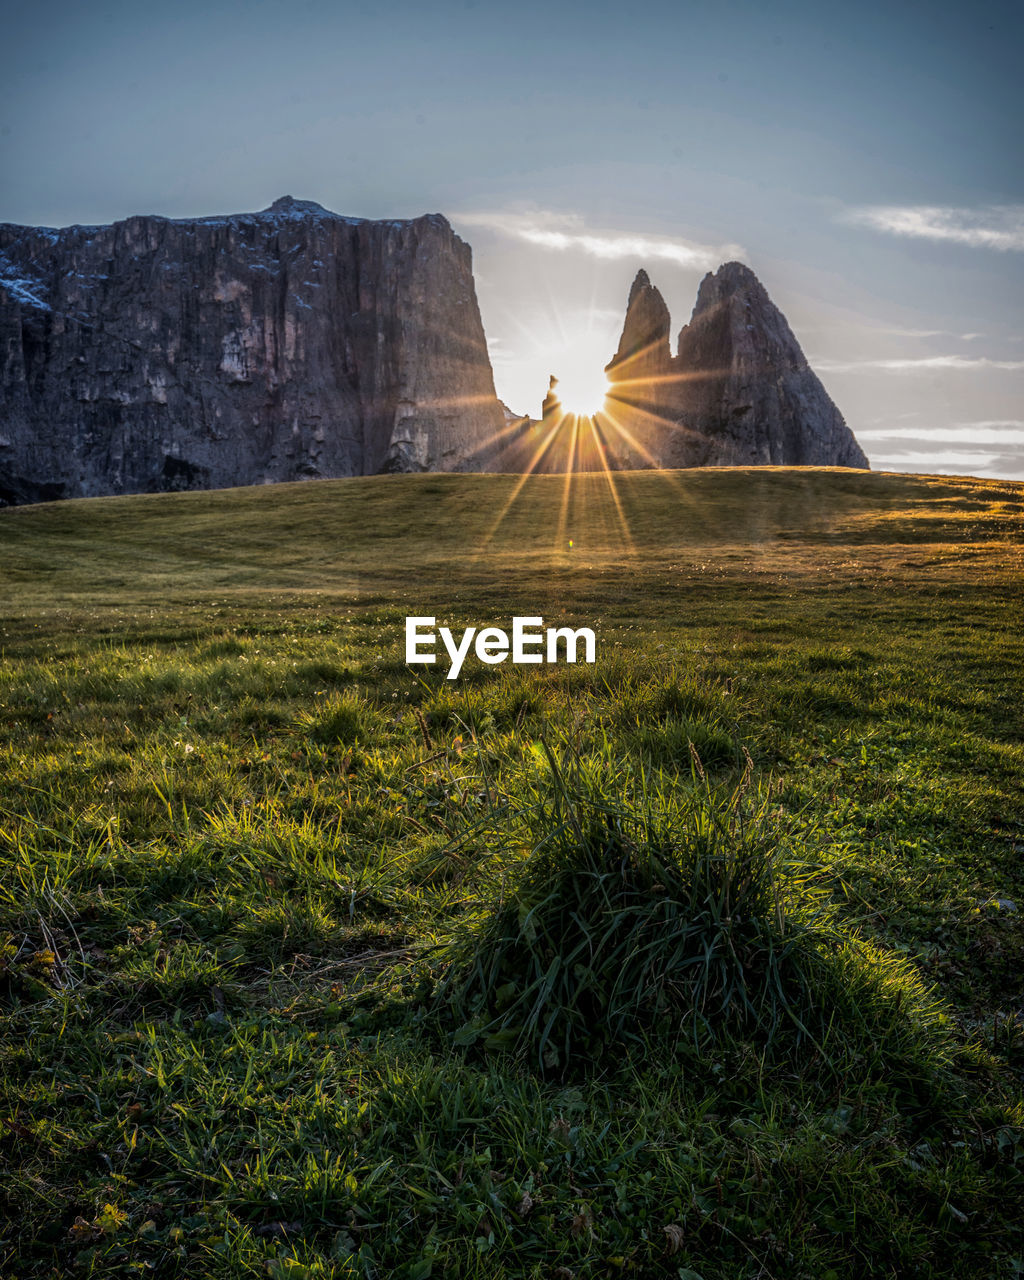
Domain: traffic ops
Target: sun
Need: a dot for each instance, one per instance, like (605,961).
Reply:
(582,390)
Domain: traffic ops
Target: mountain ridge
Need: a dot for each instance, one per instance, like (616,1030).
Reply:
(738,390)
(155,353)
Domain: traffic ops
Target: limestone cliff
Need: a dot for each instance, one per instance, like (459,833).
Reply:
(160,353)
(738,392)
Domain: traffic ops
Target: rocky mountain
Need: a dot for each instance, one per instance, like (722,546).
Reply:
(159,353)
(738,391)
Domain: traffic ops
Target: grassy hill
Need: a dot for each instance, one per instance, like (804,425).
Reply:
(703,960)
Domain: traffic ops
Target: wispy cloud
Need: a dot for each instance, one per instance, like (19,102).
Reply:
(897,332)
(944,460)
(925,364)
(568,233)
(996,226)
(994,424)
(997,435)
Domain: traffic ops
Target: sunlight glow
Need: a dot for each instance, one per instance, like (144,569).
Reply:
(582,390)
(584,430)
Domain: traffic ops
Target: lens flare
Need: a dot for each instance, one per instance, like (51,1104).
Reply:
(582,391)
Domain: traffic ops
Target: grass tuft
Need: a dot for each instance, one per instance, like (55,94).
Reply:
(340,718)
(677,917)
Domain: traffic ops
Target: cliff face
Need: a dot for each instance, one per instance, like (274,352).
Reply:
(738,392)
(160,354)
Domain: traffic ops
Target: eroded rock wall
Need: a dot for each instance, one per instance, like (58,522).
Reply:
(159,353)
(738,391)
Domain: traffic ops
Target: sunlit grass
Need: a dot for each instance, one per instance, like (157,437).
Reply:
(238,837)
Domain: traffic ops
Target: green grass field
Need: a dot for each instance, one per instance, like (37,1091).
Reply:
(706,960)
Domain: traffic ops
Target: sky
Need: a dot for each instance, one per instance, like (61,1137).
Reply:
(865,160)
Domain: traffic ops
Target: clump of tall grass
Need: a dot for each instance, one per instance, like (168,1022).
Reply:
(678,915)
(669,745)
(343,718)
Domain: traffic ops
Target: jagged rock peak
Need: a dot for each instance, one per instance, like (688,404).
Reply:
(734,313)
(290,206)
(731,278)
(301,210)
(641,282)
(735,274)
(739,391)
(645,335)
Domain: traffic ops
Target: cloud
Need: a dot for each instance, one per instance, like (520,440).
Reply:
(990,447)
(997,226)
(994,424)
(567,233)
(914,333)
(934,460)
(998,435)
(896,332)
(924,364)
